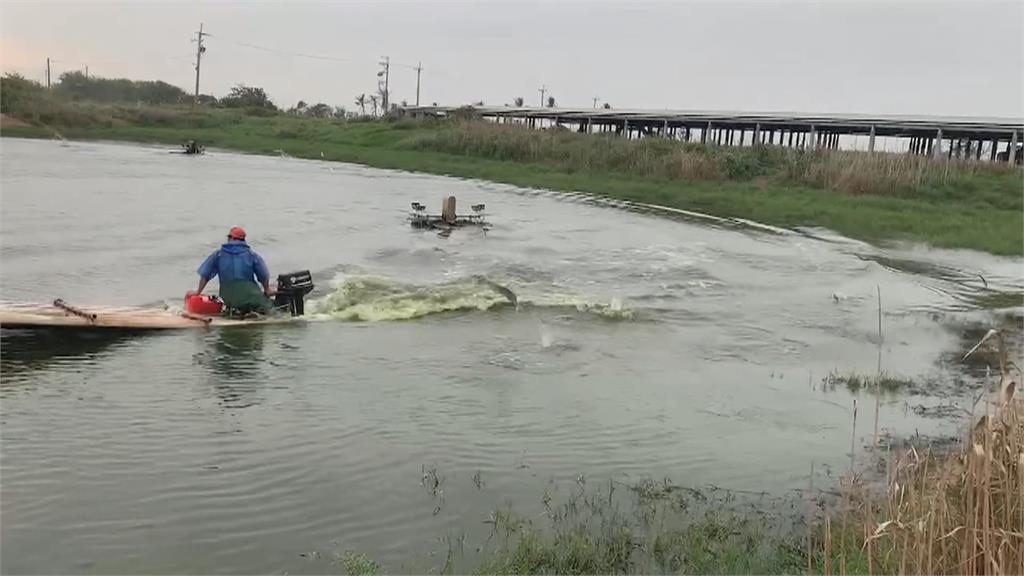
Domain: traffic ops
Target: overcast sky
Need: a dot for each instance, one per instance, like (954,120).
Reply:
(957,58)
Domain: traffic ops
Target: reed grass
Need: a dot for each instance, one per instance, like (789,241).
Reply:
(857,173)
(942,513)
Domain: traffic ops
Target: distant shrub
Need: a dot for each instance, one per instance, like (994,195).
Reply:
(76,86)
(251,98)
(17,93)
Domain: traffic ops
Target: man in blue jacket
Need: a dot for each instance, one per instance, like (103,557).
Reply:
(242,274)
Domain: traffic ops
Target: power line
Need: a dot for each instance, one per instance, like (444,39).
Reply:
(384,72)
(285,52)
(392,64)
(120,62)
(306,54)
(404,65)
(201,37)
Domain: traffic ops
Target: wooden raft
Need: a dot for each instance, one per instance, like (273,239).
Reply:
(61,314)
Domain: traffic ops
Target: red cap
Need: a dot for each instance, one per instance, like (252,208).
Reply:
(236,233)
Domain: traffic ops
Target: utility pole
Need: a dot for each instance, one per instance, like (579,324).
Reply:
(47,73)
(200,49)
(595,101)
(385,72)
(86,71)
(419,69)
(543,89)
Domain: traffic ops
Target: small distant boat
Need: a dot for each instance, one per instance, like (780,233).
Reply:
(190,149)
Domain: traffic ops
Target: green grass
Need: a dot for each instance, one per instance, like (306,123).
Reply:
(876,199)
(648,527)
(716,544)
(359,564)
(882,383)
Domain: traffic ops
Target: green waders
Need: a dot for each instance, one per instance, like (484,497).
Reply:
(244,298)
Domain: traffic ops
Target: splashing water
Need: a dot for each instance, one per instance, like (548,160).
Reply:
(546,337)
(613,310)
(375,299)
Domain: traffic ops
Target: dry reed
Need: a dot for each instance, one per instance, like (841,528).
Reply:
(954,513)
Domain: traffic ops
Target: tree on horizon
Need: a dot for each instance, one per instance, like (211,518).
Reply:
(242,96)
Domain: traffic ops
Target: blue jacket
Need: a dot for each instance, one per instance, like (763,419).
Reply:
(235,262)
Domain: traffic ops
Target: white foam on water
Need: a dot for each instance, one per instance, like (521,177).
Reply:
(376,299)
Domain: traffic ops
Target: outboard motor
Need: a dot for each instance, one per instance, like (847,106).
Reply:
(292,290)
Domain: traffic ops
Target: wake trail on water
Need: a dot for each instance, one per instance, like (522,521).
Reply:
(375,299)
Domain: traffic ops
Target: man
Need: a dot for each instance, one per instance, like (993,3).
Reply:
(242,273)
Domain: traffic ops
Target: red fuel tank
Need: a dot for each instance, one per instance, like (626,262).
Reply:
(203,305)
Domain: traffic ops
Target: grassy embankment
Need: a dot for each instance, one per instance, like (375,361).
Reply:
(870,197)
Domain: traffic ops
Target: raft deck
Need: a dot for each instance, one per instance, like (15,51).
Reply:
(62,315)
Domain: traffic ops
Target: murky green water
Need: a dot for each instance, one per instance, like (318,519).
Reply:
(641,346)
